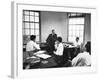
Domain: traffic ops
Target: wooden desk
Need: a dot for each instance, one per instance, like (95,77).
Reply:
(50,63)
(43,63)
(69,53)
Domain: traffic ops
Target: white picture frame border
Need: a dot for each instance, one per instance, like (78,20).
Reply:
(16,66)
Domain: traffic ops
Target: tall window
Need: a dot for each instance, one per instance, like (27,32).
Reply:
(31,23)
(76,26)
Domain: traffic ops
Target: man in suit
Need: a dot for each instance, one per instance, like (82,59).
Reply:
(51,41)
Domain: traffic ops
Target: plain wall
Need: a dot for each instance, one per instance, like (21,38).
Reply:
(53,20)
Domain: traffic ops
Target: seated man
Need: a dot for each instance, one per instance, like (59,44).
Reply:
(77,44)
(59,50)
(83,59)
(32,46)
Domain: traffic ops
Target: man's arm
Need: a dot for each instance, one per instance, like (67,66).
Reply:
(48,38)
(59,50)
(36,46)
(55,37)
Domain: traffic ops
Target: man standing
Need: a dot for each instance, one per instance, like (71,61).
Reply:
(51,41)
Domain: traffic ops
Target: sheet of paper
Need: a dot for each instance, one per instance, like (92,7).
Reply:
(39,52)
(44,56)
(70,46)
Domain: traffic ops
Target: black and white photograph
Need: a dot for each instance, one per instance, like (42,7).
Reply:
(53,39)
(50,40)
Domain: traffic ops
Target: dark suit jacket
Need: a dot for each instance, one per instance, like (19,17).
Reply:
(51,39)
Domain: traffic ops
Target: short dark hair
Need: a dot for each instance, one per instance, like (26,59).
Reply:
(32,37)
(77,37)
(59,39)
(53,30)
(88,47)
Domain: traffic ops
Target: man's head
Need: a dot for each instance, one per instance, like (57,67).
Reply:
(77,39)
(59,39)
(53,31)
(32,37)
(88,47)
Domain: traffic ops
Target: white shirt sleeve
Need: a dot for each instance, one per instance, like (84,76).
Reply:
(56,45)
(36,46)
(60,49)
(31,46)
(77,44)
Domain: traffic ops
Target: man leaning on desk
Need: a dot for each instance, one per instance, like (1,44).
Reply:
(59,50)
(77,44)
(32,46)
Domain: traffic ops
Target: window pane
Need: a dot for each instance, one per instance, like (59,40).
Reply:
(32,25)
(27,31)
(81,21)
(77,33)
(81,39)
(74,32)
(70,33)
(81,33)
(70,21)
(36,19)
(32,13)
(26,12)
(77,27)
(32,18)
(37,25)
(32,32)
(26,25)
(72,39)
(26,18)
(81,27)
(74,27)
(73,14)
(69,38)
(36,32)
(36,14)
(70,27)
(37,38)
(76,21)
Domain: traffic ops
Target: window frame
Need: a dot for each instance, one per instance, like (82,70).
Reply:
(77,16)
(23,22)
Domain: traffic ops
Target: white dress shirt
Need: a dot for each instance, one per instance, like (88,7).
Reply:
(59,50)
(77,44)
(31,46)
(82,59)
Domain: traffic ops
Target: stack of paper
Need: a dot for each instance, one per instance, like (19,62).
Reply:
(39,52)
(44,56)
